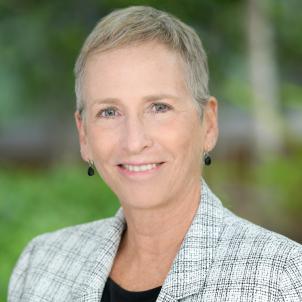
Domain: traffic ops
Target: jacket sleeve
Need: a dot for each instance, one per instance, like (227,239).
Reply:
(291,279)
(17,280)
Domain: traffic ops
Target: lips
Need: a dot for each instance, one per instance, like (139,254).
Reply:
(142,167)
(140,164)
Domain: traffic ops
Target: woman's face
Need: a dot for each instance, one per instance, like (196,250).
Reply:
(141,127)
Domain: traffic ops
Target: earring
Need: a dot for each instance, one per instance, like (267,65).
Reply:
(207,159)
(90,171)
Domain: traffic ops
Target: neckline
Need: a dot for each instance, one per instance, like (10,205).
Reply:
(113,284)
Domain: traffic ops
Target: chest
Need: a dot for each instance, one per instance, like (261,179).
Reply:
(138,277)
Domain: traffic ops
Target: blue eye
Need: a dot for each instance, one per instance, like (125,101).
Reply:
(160,107)
(112,112)
(109,112)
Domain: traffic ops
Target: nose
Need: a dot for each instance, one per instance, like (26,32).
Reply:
(136,136)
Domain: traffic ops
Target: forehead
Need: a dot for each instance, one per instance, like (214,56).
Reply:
(134,71)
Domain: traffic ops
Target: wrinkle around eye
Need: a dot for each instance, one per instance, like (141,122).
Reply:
(108,109)
(112,112)
(167,107)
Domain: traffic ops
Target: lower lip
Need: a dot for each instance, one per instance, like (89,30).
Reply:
(139,173)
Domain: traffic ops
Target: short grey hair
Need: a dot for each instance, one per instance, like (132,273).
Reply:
(138,24)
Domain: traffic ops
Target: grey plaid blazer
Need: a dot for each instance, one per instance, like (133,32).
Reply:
(222,258)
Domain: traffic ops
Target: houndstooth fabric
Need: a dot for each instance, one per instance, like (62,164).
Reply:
(222,258)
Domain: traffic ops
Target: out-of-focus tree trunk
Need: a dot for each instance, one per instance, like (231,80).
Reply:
(267,122)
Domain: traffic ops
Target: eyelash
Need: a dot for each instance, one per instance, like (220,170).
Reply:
(167,108)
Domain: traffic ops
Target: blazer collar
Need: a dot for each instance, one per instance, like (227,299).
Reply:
(194,259)
(190,266)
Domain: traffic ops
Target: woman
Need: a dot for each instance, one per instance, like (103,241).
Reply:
(146,123)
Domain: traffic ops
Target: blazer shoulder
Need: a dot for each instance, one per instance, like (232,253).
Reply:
(257,259)
(78,239)
(254,236)
(92,230)
(42,258)
(69,237)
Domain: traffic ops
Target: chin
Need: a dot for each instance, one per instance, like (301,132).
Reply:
(142,200)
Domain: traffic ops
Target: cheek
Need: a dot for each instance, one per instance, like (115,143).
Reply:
(101,144)
(183,135)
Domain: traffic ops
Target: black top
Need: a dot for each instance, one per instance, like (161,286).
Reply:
(114,293)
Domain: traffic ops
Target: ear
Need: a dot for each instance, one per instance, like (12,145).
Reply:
(210,124)
(82,134)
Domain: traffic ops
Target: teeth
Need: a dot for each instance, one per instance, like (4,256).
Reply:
(139,168)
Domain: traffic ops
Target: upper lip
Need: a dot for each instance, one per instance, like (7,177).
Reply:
(141,163)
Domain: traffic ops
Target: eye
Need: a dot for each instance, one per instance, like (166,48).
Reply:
(160,107)
(109,112)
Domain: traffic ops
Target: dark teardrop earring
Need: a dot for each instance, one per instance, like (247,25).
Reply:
(207,159)
(90,171)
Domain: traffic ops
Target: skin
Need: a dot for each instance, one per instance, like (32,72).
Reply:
(150,117)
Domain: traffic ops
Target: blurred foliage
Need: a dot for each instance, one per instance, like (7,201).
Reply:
(39,42)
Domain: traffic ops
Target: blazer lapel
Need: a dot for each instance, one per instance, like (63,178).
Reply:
(91,282)
(194,259)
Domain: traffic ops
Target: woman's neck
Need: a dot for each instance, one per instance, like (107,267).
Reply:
(154,234)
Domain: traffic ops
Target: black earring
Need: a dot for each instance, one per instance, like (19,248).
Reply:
(207,159)
(90,168)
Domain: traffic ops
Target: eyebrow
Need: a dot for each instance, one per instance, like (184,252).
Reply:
(148,98)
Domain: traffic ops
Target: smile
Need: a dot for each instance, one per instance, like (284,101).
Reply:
(139,169)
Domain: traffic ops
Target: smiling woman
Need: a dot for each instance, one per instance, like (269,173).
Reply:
(146,123)
(152,120)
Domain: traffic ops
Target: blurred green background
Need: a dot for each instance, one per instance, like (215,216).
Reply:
(254,49)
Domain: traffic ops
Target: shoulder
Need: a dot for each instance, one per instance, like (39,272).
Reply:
(79,238)
(50,256)
(245,233)
(74,234)
(260,256)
